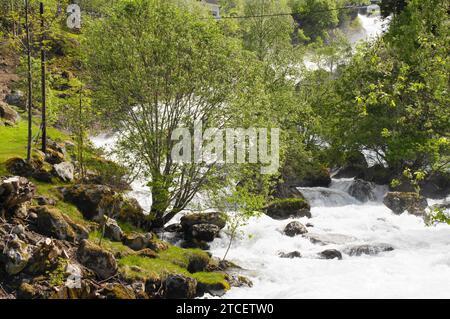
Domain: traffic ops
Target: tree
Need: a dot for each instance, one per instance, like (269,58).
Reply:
(393,97)
(156,67)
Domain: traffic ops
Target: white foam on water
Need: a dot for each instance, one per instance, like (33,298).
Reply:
(419,267)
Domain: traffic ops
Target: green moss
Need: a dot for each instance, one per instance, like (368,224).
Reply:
(148,267)
(217,279)
(182,256)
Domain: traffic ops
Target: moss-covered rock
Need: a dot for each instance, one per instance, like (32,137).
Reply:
(288,208)
(412,202)
(20,167)
(52,222)
(179,287)
(101,261)
(118,291)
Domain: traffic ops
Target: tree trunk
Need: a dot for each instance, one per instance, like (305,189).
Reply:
(43,83)
(30,83)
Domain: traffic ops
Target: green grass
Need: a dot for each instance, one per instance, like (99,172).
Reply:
(159,268)
(181,256)
(113,247)
(13,141)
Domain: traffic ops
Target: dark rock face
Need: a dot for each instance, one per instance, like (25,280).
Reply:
(331,254)
(291,255)
(412,202)
(16,98)
(377,174)
(20,167)
(15,191)
(372,249)
(179,287)
(204,232)
(436,186)
(294,228)
(203,218)
(95,258)
(202,227)
(356,166)
(362,190)
(284,190)
(51,222)
(288,208)
(320,178)
(174,228)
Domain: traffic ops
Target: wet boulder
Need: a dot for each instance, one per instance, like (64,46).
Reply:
(288,208)
(294,228)
(64,171)
(15,191)
(52,222)
(368,249)
(180,287)
(202,227)
(203,232)
(214,218)
(411,202)
(291,255)
(378,174)
(330,254)
(362,190)
(97,259)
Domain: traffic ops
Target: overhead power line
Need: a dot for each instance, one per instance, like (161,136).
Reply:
(290,13)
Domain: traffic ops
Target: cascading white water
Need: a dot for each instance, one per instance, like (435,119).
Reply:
(418,267)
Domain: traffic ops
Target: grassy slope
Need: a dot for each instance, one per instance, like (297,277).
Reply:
(13,141)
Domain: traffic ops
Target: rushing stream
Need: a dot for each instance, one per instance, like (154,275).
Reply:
(418,267)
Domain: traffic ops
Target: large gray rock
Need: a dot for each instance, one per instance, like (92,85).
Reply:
(362,190)
(52,222)
(294,228)
(326,239)
(113,230)
(411,202)
(100,261)
(202,227)
(8,113)
(368,249)
(64,171)
(16,98)
(288,208)
(16,255)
